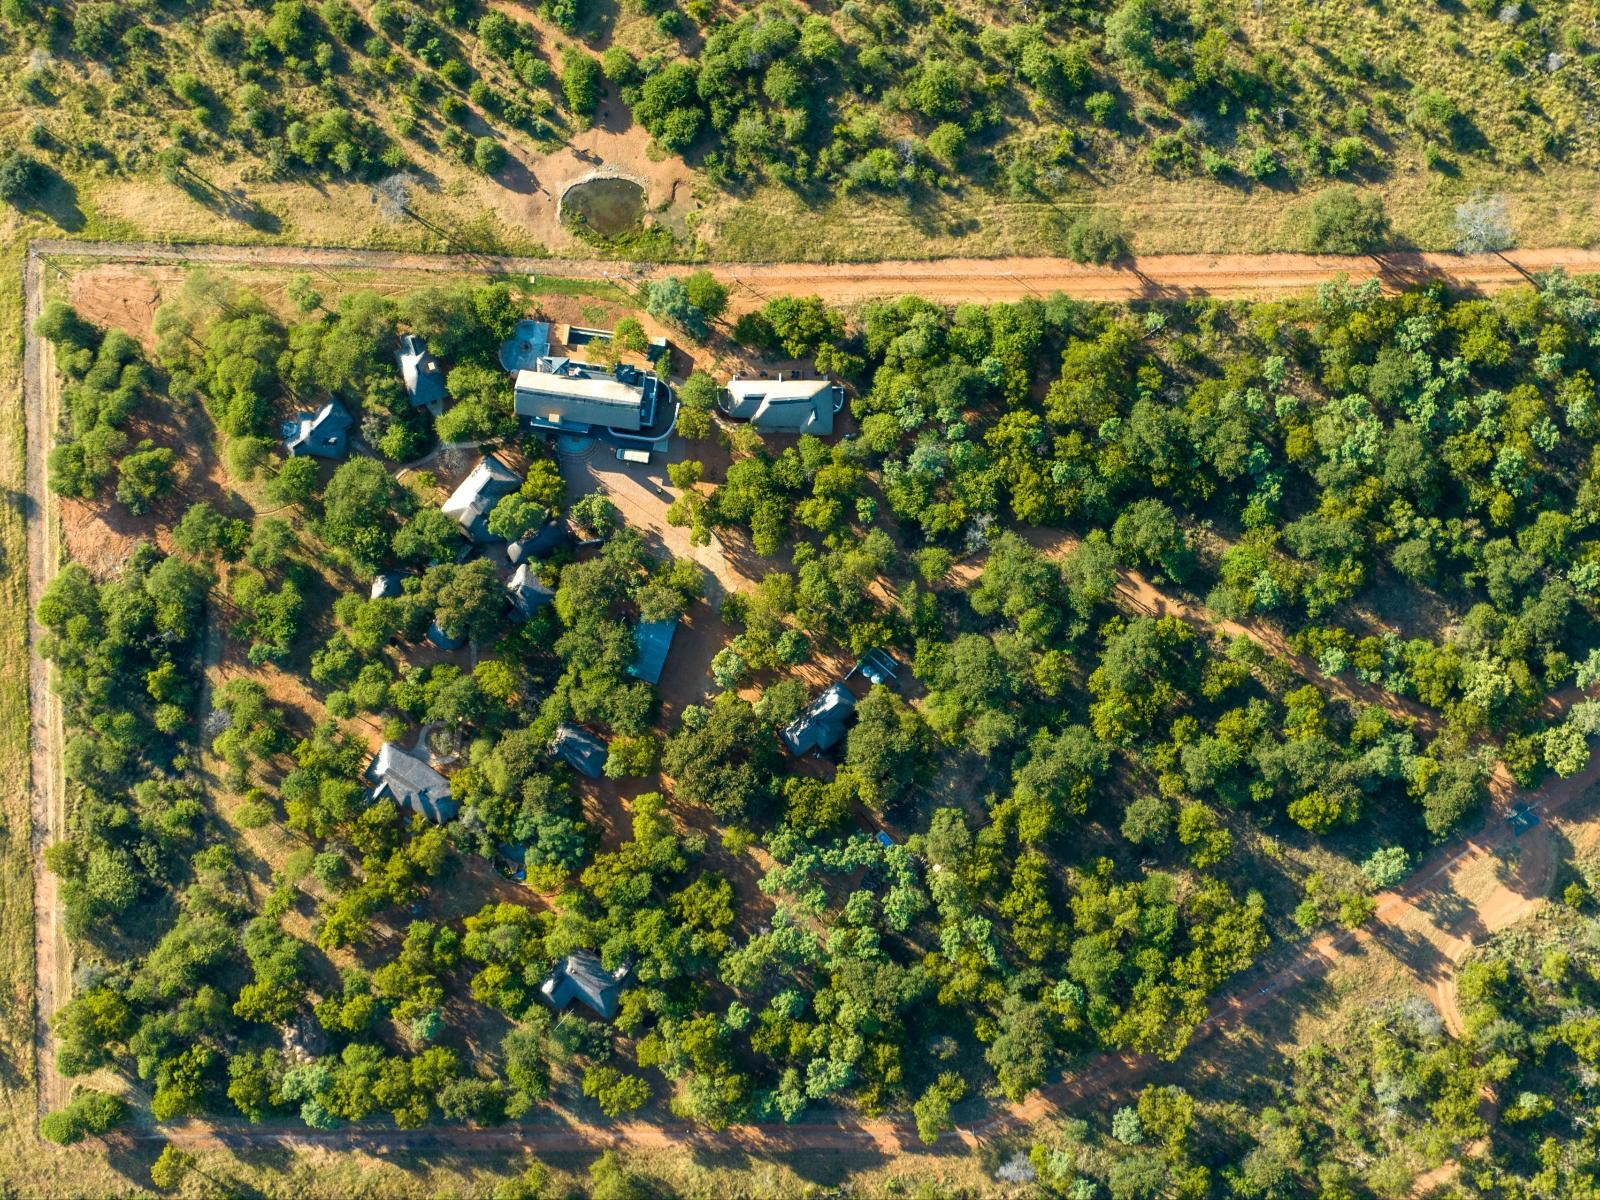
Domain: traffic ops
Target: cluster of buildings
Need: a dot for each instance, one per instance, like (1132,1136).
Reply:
(630,407)
(556,392)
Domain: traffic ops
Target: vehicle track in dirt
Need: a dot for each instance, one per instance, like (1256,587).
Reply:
(1399,913)
(946,280)
(52,955)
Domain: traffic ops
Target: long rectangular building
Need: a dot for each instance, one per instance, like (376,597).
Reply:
(575,399)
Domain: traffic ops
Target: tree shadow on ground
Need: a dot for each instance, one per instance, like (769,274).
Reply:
(57,199)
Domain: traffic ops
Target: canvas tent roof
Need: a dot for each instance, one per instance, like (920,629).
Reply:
(390,583)
(582,976)
(822,724)
(476,495)
(420,371)
(397,774)
(528,594)
(321,433)
(542,542)
(580,750)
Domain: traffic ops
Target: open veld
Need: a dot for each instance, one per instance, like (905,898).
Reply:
(652,598)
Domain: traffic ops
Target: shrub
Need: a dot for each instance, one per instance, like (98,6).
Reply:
(1171,155)
(1095,237)
(1101,107)
(89,1114)
(1339,220)
(488,155)
(580,83)
(20,177)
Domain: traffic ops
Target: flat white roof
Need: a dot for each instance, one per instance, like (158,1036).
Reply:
(607,391)
(779,389)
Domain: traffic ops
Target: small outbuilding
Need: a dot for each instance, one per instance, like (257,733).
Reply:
(823,723)
(652,642)
(580,750)
(421,373)
(411,782)
(440,637)
(555,534)
(784,405)
(581,976)
(388,585)
(528,594)
(476,495)
(321,434)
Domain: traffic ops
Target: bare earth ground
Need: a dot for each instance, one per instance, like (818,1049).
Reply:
(951,281)
(1463,892)
(52,954)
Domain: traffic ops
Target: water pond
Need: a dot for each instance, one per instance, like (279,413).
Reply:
(608,205)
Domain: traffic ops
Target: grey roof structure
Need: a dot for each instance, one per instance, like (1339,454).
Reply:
(397,774)
(443,640)
(652,641)
(580,749)
(577,397)
(544,541)
(528,343)
(477,494)
(388,584)
(321,433)
(528,594)
(420,372)
(784,405)
(822,724)
(581,976)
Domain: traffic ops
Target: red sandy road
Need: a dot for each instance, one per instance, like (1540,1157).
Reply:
(948,280)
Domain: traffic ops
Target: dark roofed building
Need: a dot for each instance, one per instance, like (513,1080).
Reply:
(577,397)
(544,541)
(421,373)
(321,433)
(627,404)
(397,774)
(443,640)
(528,594)
(580,750)
(477,494)
(784,405)
(581,976)
(652,641)
(822,724)
(388,585)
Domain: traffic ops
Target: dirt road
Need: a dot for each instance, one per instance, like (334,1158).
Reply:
(52,955)
(949,280)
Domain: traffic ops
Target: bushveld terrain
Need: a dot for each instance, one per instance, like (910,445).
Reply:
(1236,638)
(1306,630)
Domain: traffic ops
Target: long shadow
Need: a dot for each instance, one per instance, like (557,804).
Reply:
(58,200)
